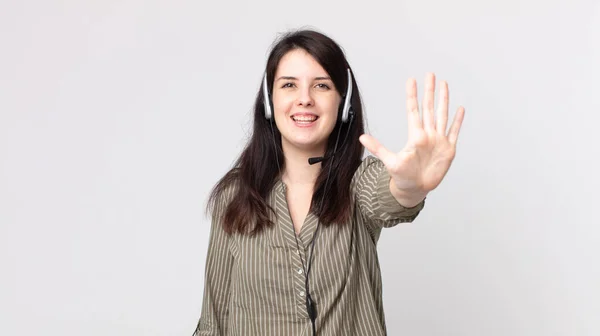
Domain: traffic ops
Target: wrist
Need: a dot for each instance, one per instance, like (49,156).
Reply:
(407,198)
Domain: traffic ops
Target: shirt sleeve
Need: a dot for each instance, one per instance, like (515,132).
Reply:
(219,262)
(375,200)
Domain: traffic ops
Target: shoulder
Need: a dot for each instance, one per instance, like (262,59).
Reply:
(369,170)
(224,192)
(369,162)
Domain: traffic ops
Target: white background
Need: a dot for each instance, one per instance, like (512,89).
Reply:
(117,118)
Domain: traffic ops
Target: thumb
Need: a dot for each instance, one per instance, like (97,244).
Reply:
(377,149)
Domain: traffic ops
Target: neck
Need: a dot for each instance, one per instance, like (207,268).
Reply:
(297,169)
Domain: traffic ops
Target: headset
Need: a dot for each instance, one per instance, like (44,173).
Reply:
(346,115)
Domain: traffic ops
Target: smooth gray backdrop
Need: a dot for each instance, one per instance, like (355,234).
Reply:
(117,117)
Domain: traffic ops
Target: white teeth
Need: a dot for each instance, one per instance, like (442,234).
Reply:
(304,119)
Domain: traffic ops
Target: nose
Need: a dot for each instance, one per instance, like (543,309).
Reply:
(305,98)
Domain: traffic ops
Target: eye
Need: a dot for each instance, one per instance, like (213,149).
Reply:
(287,85)
(323,86)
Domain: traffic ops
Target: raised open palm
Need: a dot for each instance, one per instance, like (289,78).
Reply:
(422,164)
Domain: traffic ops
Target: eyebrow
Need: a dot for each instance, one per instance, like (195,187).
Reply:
(294,78)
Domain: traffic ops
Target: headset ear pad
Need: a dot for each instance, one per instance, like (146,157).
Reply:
(267,99)
(349,116)
(347,106)
(340,115)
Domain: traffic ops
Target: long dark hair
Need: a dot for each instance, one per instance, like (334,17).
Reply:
(255,172)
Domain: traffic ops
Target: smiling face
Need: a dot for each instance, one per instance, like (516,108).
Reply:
(305,103)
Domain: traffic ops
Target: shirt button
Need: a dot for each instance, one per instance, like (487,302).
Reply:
(301,293)
(299,270)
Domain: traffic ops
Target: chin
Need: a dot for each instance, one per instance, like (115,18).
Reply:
(308,144)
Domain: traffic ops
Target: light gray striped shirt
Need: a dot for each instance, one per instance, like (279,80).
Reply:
(254,286)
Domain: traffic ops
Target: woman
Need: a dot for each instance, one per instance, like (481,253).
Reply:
(292,249)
